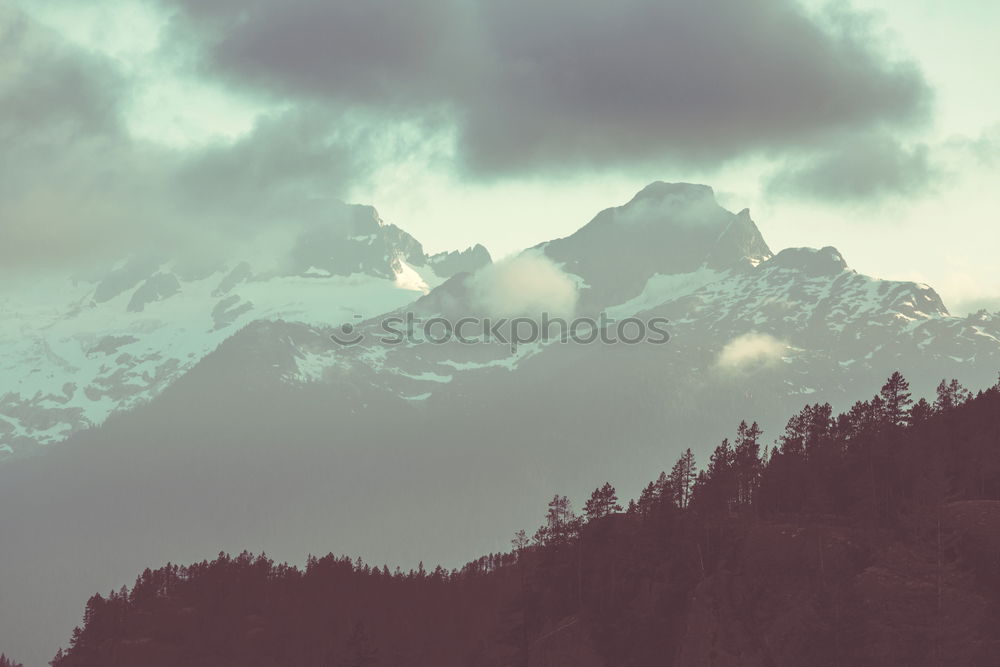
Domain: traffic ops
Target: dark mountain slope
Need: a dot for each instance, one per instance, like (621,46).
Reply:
(868,538)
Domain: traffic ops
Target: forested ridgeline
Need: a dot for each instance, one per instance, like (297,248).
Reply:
(866,538)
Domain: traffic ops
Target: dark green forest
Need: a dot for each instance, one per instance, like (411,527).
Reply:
(870,537)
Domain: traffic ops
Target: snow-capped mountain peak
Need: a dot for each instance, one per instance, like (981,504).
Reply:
(78,349)
(667,228)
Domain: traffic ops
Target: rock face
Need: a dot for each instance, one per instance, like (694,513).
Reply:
(447,264)
(354,240)
(666,229)
(811,262)
(157,287)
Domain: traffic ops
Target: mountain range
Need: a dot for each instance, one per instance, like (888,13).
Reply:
(164,412)
(82,347)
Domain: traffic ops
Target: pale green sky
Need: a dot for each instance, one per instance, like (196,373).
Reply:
(938,225)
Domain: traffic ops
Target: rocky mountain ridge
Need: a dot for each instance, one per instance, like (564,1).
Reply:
(79,349)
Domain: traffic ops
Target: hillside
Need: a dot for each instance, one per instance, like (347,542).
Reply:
(866,538)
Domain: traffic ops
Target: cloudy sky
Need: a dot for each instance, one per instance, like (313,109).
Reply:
(189,123)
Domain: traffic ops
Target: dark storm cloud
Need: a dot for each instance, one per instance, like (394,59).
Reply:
(523,87)
(76,187)
(861,168)
(287,169)
(378,52)
(536,85)
(46,88)
(287,158)
(62,143)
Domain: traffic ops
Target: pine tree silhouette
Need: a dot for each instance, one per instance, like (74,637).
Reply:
(602,502)
(7,662)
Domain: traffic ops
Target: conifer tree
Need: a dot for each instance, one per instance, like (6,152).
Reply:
(682,477)
(648,499)
(950,395)
(747,462)
(895,394)
(520,542)
(603,501)
(7,662)
(561,523)
(921,411)
(716,490)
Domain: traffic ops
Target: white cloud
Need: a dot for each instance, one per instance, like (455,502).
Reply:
(749,351)
(526,285)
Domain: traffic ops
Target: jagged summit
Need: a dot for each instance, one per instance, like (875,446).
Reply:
(741,241)
(667,228)
(658,190)
(448,264)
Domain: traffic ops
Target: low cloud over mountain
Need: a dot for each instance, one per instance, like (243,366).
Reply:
(525,285)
